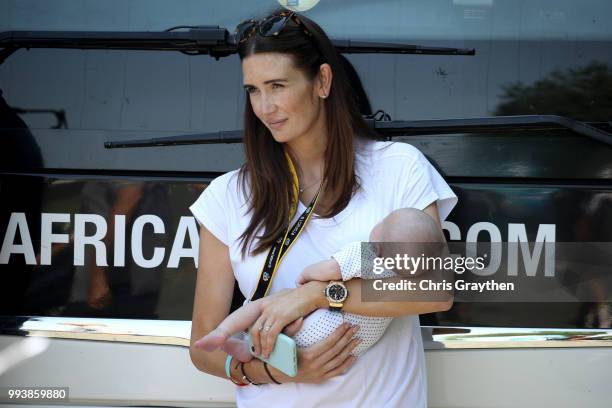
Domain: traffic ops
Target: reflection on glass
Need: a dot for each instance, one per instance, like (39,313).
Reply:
(125,287)
(583,93)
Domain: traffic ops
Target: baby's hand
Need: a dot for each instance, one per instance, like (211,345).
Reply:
(321,271)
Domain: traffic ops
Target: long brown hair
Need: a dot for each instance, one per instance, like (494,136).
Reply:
(266,170)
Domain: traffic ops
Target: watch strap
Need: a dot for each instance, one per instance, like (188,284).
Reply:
(336,307)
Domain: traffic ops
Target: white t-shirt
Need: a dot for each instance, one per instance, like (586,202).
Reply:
(392,372)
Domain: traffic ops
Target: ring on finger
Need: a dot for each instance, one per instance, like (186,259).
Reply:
(267,327)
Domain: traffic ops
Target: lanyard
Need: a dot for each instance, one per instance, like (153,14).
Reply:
(282,245)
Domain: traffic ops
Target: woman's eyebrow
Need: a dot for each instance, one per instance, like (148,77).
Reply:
(269,81)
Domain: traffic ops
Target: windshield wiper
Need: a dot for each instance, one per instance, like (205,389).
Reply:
(396,128)
(210,40)
(201,40)
(366,47)
(490,124)
(228,136)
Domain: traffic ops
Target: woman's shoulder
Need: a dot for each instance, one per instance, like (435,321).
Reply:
(386,153)
(226,183)
(389,149)
(227,189)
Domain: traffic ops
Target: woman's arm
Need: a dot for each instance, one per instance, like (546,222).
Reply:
(213,296)
(212,302)
(354,304)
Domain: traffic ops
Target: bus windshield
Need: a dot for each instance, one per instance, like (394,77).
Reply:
(533,58)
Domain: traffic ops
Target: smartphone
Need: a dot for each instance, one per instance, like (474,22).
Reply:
(283,357)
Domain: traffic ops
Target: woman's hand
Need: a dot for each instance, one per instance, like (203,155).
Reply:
(325,359)
(281,309)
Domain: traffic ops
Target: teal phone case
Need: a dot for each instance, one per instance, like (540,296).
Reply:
(283,357)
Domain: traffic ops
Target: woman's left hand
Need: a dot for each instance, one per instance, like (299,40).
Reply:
(279,310)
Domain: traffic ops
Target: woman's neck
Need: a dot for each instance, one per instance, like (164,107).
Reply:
(308,154)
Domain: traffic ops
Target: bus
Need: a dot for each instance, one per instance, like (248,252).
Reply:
(116,115)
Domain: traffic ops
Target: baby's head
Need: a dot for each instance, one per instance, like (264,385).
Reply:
(418,231)
(416,225)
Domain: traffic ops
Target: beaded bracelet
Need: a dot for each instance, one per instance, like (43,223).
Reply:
(244,375)
(270,374)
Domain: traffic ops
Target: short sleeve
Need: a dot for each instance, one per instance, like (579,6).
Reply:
(210,212)
(421,185)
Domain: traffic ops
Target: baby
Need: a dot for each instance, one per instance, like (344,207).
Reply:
(405,225)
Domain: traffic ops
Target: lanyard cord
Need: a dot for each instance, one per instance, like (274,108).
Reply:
(286,239)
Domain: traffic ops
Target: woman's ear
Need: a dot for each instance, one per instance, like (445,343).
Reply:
(325,80)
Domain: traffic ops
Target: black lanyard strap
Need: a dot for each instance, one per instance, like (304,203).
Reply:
(280,248)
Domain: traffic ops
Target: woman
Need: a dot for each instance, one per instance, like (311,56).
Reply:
(299,113)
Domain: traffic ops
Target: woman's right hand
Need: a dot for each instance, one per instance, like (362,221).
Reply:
(327,358)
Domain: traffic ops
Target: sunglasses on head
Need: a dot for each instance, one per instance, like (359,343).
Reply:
(268,27)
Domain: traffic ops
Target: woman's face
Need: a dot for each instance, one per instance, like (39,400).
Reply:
(285,101)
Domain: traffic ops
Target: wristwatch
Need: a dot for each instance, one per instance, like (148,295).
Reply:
(336,293)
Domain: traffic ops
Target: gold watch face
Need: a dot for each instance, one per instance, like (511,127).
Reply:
(336,292)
